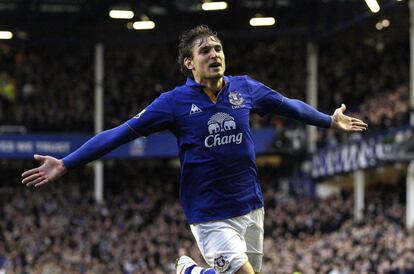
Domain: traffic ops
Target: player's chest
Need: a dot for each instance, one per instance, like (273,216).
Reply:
(229,113)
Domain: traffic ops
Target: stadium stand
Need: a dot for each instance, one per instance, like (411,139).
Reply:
(135,76)
(140,228)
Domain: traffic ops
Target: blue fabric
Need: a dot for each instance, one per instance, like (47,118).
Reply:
(218,171)
(303,112)
(99,145)
(4,262)
(208,271)
(265,102)
(188,270)
(203,271)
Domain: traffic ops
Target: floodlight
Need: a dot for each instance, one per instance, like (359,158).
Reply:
(262,21)
(379,26)
(373,5)
(385,23)
(141,25)
(121,14)
(222,5)
(6,35)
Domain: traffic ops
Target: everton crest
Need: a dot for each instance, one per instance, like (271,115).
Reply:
(221,264)
(235,98)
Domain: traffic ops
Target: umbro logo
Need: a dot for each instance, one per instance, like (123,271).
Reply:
(195,109)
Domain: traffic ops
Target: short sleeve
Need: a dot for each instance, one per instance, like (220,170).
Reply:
(156,117)
(264,99)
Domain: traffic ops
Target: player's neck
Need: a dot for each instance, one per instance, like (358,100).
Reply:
(212,85)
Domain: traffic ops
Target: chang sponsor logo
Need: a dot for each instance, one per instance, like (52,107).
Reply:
(219,124)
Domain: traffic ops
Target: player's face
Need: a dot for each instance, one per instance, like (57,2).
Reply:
(208,60)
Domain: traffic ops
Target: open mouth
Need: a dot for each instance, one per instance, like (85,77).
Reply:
(214,65)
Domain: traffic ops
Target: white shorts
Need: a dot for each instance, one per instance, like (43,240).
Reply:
(227,245)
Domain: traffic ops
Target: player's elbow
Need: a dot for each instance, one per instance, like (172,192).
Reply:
(294,108)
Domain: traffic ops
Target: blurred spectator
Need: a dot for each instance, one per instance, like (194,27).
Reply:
(140,228)
(134,76)
(372,83)
(55,85)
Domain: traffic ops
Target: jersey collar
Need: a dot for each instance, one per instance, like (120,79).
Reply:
(191,83)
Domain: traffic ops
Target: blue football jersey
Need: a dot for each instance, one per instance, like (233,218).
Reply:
(218,171)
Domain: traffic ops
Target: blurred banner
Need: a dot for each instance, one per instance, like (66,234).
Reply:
(391,146)
(18,146)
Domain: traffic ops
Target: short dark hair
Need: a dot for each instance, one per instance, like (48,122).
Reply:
(186,44)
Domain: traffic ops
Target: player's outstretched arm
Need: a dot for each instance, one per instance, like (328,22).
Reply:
(49,170)
(93,149)
(346,123)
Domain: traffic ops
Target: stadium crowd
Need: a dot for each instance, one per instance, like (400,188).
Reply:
(54,87)
(372,82)
(140,227)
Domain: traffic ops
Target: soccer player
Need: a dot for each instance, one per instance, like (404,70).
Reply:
(219,188)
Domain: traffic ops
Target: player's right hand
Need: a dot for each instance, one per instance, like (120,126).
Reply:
(49,170)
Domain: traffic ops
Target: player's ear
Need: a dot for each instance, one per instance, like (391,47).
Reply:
(188,63)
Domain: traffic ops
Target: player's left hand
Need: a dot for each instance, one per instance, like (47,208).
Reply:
(346,123)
